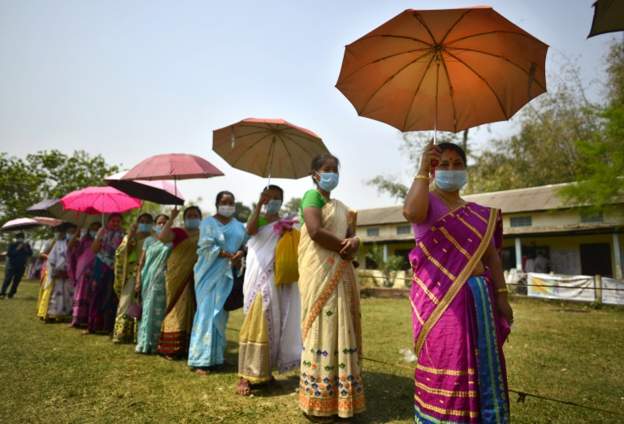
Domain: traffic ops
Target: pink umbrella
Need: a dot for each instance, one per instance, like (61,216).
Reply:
(157,191)
(99,200)
(172,166)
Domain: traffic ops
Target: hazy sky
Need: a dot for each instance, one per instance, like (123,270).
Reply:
(129,79)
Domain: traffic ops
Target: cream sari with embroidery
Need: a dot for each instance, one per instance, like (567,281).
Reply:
(330,382)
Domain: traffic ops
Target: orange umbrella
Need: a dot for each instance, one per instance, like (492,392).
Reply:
(443,69)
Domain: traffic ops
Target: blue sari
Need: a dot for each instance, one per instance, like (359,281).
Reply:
(152,295)
(213,284)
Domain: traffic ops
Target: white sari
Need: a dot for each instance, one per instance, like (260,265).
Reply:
(270,337)
(62,288)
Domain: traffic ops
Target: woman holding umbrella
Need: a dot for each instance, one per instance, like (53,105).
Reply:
(461,314)
(126,265)
(83,275)
(180,301)
(221,239)
(103,305)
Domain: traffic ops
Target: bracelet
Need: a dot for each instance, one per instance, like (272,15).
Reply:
(421,177)
(502,290)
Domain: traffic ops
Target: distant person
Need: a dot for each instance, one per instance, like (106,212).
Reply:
(541,263)
(529,264)
(83,275)
(58,290)
(220,246)
(103,303)
(179,285)
(17,255)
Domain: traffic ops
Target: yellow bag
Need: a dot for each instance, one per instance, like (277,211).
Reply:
(286,256)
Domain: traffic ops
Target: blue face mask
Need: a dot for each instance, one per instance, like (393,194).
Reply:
(144,228)
(328,180)
(450,180)
(157,229)
(192,223)
(92,233)
(273,206)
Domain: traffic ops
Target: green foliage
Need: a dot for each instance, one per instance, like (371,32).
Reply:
(46,174)
(242,211)
(388,266)
(291,208)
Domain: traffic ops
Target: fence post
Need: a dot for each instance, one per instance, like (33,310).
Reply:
(598,289)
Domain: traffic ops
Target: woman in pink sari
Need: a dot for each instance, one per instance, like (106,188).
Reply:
(461,314)
(84,259)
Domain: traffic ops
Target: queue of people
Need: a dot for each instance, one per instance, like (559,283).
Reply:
(168,289)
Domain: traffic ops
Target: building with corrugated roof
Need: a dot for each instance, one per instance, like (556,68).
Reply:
(536,220)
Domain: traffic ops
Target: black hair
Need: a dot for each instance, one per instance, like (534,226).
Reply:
(456,148)
(192,208)
(319,161)
(145,214)
(19,235)
(159,215)
(276,188)
(224,193)
(113,215)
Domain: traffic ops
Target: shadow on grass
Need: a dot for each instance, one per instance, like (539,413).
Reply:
(389,397)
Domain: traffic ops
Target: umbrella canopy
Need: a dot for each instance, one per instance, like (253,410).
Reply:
(172,166)
(268,147)
(99,200)
(54,209)
(20,224)
(46,220)
(443,69)
(608,17)
(157,191)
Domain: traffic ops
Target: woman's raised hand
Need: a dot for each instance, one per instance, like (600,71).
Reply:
(429,159)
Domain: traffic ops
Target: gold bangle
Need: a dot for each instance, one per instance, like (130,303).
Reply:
(421,177)
(502,291)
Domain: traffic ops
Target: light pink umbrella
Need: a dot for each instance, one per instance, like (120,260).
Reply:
(20,224)
(157,191)
(99,200)
(172,166)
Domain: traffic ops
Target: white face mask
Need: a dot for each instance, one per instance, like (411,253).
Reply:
(226,210)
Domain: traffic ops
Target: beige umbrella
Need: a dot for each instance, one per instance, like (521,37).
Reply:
(270,148)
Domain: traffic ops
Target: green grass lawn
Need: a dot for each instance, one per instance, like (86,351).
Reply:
(50,373)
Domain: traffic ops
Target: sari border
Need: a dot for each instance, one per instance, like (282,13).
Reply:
(315,310)
(457,283)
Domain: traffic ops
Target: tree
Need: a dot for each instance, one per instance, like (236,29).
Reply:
(600,179)
(388,266)
(242,212)
(46,174)
(291,208)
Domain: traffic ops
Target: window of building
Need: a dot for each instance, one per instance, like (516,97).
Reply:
(589,217)
(404,229)
(521,221)
(372,232)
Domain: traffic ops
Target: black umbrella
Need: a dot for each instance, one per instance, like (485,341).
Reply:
(608,17)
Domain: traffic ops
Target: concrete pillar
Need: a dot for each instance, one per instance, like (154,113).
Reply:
(617,256)
(385,253)
(518,253)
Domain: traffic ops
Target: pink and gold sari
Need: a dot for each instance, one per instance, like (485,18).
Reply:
(458,336)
